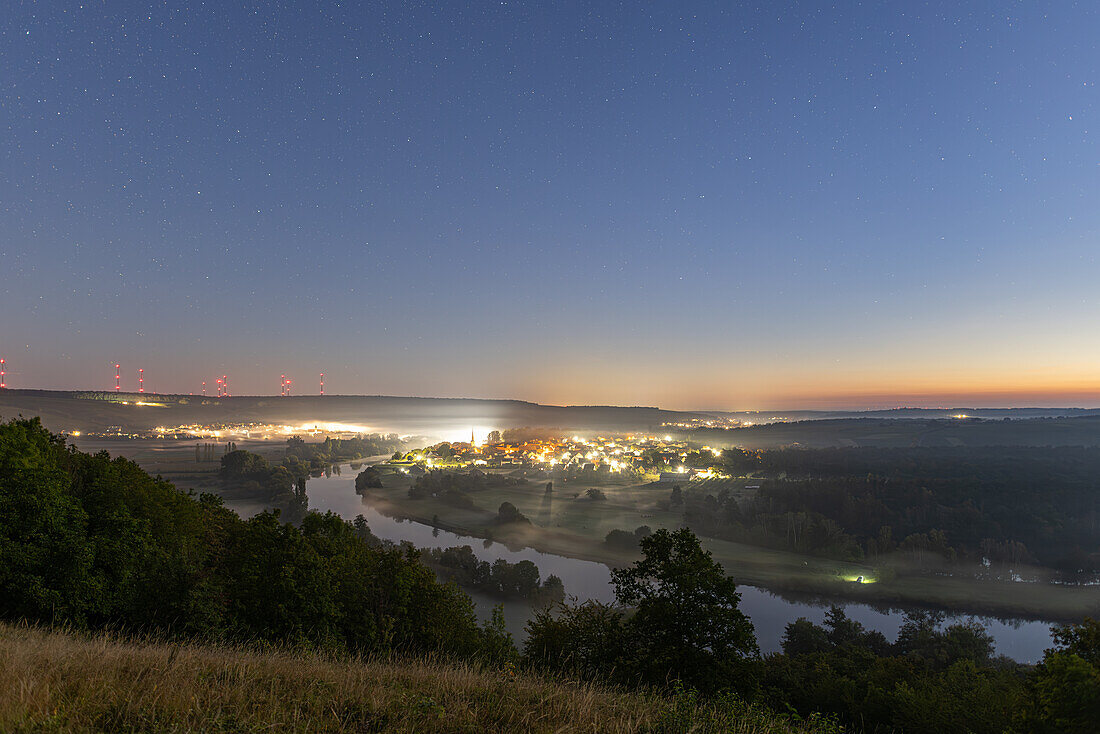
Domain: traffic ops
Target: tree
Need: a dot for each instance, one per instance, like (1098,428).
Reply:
(507,513)
(1064,689)
(587,640)
(920,637)
(369,478)
(552,590)
(243,464)
(803,637)
(46,558)
(93,542)
(623,539)
(1082,640)
(686,623)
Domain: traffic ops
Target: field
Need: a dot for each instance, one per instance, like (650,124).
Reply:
(568,523)
(58,682)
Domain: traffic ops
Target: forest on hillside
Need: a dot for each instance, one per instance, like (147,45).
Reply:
(997,507)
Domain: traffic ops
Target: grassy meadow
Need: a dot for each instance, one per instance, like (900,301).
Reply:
(65,682)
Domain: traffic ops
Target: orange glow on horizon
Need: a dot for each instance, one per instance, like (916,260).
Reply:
(829,391)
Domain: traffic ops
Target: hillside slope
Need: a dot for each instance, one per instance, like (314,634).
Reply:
(62,682)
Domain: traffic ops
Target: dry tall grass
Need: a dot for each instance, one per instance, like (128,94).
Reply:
(58,682)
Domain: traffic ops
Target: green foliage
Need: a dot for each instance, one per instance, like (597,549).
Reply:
(626,540)
(684,624)
(689,713)
(686,615)
(1064,690)
(1082,640)
(369,478)
(304,458)
(507,514)
(496,641)
(253,474)
(501,578)
(930,680)
(46,557)
(439,483)
(589,641)
(1008,505)
(95,542)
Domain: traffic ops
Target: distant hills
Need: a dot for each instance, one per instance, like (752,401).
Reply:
(98,411)
(451,417)
(1079,430)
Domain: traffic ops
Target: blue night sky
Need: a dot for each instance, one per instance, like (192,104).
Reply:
(689,204)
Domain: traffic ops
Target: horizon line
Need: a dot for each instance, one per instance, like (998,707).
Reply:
(838,409)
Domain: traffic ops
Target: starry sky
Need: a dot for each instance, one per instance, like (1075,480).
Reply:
(685,204)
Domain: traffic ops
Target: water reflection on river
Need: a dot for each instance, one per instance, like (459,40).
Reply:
(1021,640)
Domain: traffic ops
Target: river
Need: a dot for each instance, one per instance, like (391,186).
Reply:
(1020,640)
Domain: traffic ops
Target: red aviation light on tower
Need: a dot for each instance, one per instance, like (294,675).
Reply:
(225,382)
(204,388)
(118,379)
(219,387)
(141,379)
(322,383)
(3,373)
(288,387)
(282,385)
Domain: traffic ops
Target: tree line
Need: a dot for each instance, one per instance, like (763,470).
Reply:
(999,505)
(95,542)
(500,578)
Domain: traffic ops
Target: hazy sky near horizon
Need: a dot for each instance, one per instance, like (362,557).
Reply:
(685,204)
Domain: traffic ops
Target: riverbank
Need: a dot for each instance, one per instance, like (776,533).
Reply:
(575,528)
(769,612)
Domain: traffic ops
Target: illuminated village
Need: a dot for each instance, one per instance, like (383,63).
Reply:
(236,431)
(630,456)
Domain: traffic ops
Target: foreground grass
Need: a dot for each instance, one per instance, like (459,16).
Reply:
(61,682)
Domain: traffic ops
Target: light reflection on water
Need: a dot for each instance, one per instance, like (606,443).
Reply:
(1020,640)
